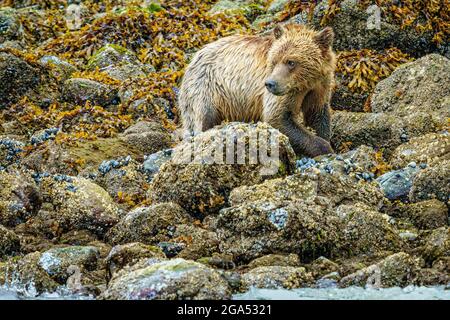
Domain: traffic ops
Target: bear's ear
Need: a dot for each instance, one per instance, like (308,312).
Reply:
(325,38)
(278,31)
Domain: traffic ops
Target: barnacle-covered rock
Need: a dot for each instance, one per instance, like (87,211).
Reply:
(154,161)
(28,276)
(332,188)
(122,178)
(399,269)
(275,277)
(79,91)
(309,228)
(148,137)
(428,214)
(17,77)
(60,69)
(381,130)
(422,85)
(10,26)
(199,242)
(117,62)
(175,279)
(427,149)
(432,183)
(360,25)
(78,204)
(9,242)
(19,197)
(289,260)
(57,158)
(201,183)
(148,225)
(56,261)
(128,254)
(436,245)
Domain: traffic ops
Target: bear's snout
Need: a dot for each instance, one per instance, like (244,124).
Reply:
(273,86)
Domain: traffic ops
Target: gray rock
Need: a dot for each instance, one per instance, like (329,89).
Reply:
(147,136)
(201,185)
(176,279)
(432,183)
(397,184)
(17,78)
(422,85)
(10,26)
(154,161)
(148,225)
(20,198)
(399,269)
(9,242)
(79,91)
(275,277)
(427,149)
(384,130)
(353,30)
(56,261)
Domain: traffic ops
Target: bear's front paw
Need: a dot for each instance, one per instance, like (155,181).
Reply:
(320,146)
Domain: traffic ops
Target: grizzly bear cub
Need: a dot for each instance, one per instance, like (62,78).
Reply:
(272,78)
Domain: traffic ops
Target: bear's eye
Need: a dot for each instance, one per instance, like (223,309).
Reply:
(291,64)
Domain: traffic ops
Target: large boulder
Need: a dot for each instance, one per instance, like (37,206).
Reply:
(55,158)
(9,242)
(432,183)
(175,279)
(399,269)
(19,197)
(17,77)
(148,137)
(56,261)
(275,277)
(202,184)
(75,203)
(79,91)
(149,225)
(10,26)
(356,28)
(419,86)
(427,149)
(384,130)
(118,63)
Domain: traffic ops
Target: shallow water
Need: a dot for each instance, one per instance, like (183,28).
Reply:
(353,293)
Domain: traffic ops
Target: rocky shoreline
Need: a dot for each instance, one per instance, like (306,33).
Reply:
(93,198)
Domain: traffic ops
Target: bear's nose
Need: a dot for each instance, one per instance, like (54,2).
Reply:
(271,85)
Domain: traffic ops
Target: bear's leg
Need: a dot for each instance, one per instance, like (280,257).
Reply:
(317,115)
(303,141)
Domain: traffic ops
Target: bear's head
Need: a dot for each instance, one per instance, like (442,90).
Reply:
(299,58)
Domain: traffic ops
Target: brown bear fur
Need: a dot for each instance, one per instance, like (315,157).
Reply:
(274,78)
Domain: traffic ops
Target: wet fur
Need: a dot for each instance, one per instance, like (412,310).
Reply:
(225,82)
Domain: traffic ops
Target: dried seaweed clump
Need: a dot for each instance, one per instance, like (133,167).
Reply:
(363,69)
(161,37)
